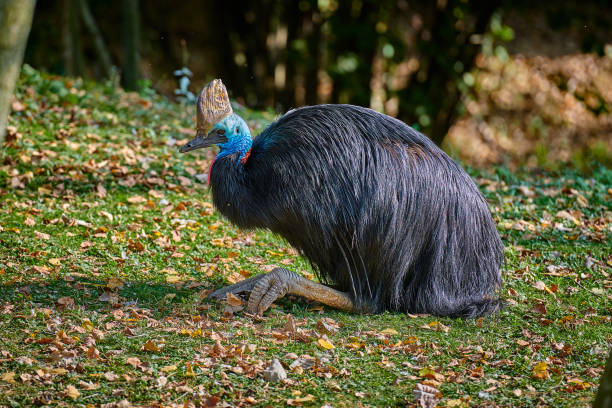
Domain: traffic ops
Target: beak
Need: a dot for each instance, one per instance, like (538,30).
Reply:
(201,141)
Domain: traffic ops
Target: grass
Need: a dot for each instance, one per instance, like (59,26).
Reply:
(109,244)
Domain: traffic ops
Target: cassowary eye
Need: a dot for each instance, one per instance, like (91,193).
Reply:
(221,131)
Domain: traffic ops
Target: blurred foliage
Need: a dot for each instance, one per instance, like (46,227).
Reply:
(414,60)
(538,112)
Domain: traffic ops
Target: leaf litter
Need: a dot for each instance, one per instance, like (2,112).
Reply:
(112,245)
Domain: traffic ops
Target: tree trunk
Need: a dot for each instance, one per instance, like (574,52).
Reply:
(74,61)
(435,89)
(312,66)
(291,16)
(131,44)
(451,95)
(15,23)
(90,24)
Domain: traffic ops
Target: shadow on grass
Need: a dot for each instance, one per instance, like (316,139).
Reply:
(89,295)
(161,299)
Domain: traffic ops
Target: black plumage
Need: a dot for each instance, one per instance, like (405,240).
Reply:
(379,210)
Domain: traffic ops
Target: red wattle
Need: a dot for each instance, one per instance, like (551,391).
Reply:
(245,157)
(210,169)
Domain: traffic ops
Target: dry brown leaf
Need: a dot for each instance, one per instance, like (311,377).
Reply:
(168,368)
(325,327)
(71,392)
(65,302)
(55,261)
(233,300)
(156,194)
(8,376)
(189,370)
(325,344)
(133,361)
(540,371)
(136,199)
(540,308)
(150,346)
(110,376)
(436,325)
(42,235)
(93,353)
(100,191)
(107,215)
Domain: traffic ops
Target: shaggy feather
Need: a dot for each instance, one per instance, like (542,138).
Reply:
(379,210)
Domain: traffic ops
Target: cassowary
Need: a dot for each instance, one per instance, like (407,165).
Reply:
(386,218)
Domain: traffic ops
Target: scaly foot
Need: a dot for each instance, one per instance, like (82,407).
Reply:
(274,285)
(246,285)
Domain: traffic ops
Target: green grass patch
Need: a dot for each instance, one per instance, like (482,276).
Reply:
(109,245)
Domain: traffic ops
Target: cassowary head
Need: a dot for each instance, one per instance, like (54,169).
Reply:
(217,124)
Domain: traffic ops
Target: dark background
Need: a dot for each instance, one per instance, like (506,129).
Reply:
(416,60)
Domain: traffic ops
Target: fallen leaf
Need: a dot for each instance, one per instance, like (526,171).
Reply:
(65,302)
(8,376)
(540,371)
(86,244)
(136,199)
(539,308)
(110,376)
(93,353)
(42,235)
(72,392)
(133,361)
(150,346)
(325,344)
(136,246)
(300,400)
(87,324)
(161,381)
(107,215)
(17,106)
(437,326)
(324,326)
(567,216)
(168,368)
(173,278)
(233,300)
(88,386)
(429,372)
(156,194)
(100,191)
(189,370)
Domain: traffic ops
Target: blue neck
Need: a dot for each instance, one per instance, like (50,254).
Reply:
(241,145)
(238,137)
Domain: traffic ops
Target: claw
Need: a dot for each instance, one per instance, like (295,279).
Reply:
(265,289)
(242,286)
(273,286)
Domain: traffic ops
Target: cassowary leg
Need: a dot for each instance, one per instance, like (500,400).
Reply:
(246,285)
(281,282)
